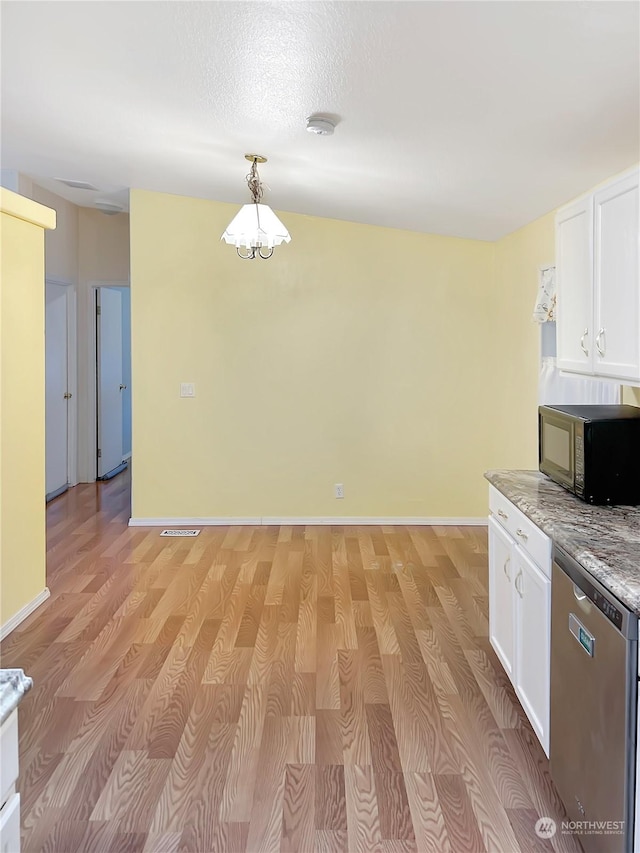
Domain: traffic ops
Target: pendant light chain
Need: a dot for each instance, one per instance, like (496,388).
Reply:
(255,184)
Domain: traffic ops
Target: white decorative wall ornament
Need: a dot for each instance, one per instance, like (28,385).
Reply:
(545,307)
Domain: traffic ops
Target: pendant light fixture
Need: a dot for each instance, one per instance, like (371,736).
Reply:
(255,229)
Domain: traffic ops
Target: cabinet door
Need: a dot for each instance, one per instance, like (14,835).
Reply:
(617,283)
(501,601)
(9,753)
(532,642)
(574,277)
(10,826)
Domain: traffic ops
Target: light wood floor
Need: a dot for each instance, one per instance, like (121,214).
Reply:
(267,689)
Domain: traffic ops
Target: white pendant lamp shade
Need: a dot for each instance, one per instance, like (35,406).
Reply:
(255,226)
(255,229)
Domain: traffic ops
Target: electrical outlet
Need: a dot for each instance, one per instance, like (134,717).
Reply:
(187,389)
(338,490)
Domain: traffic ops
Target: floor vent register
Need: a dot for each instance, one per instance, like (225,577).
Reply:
(179,533)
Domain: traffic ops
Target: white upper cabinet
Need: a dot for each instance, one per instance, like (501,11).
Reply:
(597,261)
(574,267)
(617,293)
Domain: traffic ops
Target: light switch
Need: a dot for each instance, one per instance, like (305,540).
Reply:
(187,389)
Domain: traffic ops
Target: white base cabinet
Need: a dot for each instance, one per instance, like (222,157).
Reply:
(501,592)
(532,620)
(520,607)
(9,799)
(10,825)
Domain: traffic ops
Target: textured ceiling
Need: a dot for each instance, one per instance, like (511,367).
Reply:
(469,119)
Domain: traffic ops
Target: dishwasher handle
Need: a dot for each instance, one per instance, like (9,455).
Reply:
(585,584)
(579,595)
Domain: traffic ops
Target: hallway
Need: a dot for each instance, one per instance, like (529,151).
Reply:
(269,688)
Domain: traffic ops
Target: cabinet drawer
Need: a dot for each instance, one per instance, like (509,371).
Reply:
(10,826)
(530,538)
(9,753)
(502,508)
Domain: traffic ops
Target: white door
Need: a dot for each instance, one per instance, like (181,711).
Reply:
(617,283)
(110,384)
(532,642)
(57,389)
(574,274)
(501,602)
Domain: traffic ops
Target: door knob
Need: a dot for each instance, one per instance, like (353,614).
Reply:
(123,387)
(67,396)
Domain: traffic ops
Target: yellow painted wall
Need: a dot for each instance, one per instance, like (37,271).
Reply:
(357,354)
(400,364)
(22,444)
(61,245)
(103,255)
(513,398)
(86,247)
(104,246)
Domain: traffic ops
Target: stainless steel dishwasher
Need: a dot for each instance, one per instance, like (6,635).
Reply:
(594,679)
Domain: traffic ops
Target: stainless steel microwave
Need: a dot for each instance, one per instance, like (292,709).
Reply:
(593,451)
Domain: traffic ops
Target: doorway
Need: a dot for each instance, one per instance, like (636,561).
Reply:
(60,386)
(113,380)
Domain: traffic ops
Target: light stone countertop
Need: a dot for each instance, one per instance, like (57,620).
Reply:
(605,540)
(13,685)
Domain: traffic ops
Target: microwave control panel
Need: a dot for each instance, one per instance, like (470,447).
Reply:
(578,480)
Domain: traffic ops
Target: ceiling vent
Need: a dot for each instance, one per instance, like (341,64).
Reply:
(108,207)
(77,185)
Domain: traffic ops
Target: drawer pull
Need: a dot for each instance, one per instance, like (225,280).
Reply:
(502,513)
(520,532)
(506,568)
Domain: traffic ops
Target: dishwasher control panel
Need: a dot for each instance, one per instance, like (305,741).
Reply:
(590,588)
(610,610)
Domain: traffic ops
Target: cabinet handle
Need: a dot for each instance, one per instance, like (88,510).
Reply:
(67,396)
(518,588)
(583,347)
(123,387)
(502,513)
(506,568)
(598,347)
(520,532)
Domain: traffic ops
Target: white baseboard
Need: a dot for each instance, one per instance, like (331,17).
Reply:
(367,520)
(193,522)
(21,615)
(311,520)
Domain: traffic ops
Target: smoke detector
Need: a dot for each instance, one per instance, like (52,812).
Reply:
(108,207)
(320,125)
